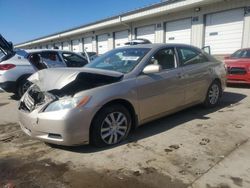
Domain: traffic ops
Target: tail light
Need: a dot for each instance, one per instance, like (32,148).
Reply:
(7,66)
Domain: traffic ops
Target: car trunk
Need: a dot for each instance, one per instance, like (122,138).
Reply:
(6,49)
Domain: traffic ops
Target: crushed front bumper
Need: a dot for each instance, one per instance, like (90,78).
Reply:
(66,127)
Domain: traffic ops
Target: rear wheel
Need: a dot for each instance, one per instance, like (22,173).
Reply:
(110,126)
(213,95)
(23,86)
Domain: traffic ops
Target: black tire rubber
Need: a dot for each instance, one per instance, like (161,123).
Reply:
(207,102)
(95,132)
(20,86)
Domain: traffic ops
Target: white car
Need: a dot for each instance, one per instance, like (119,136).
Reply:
(16,67)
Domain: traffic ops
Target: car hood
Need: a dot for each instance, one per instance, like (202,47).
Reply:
(238,62)
(57,79)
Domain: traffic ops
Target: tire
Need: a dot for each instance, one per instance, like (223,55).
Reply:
(214,94)
(105,129)
(22,87)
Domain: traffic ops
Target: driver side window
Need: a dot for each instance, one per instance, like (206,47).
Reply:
(165,58)
(73,60)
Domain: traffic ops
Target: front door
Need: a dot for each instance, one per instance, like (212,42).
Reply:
(161,92)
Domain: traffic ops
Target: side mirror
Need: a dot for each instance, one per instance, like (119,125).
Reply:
(150,69)
(207,49)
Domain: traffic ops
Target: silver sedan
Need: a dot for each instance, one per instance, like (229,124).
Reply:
(123,89)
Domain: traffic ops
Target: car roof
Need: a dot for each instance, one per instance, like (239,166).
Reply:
(243,49)
(159,45)
(44,50)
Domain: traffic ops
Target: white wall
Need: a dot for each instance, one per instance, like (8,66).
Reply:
(198,24)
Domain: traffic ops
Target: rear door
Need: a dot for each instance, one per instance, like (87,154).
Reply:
(161,92)
(196,73)
(5,49)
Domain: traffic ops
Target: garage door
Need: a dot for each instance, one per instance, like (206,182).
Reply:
(59,45)
(50,46)
(87,44)
(179,31)
(121,38)
(76,45)
(147,32)
(102,43)
(224,31)
(66,46)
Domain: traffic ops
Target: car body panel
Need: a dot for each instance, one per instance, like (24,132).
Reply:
(159,93)
(238,70)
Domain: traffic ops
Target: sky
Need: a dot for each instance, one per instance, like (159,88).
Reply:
(23,20)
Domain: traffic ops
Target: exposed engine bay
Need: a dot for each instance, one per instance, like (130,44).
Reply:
(36,97)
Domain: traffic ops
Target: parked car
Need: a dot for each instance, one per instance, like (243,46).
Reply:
(137,41)
(90,55)
(238,67)
(120,90)
(16,67)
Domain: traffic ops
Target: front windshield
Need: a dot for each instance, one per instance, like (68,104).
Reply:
(241,54)
(121,60)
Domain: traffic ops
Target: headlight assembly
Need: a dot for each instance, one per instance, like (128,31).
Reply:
(67,103)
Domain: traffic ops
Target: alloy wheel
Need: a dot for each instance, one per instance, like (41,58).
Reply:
(114,128)
(214,94)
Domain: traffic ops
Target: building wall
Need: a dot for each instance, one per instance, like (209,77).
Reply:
(197,29)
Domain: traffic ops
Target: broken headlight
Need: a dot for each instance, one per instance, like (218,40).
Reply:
(67,103)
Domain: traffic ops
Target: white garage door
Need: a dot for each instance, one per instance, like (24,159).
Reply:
(50,46)
(121,38)
(179,31)
(147,32)
(87,44)
(224,31)
(59,45)
(76,45)
(102,43)
(66,46)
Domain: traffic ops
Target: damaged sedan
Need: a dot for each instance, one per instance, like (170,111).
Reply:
(121,90)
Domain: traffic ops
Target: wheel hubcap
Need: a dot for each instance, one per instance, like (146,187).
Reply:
(114,128)
(214,94)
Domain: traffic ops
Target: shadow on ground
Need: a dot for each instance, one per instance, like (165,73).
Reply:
(166,123)
(243,86)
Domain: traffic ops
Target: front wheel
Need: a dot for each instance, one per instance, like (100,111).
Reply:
(213,95)
(110,126)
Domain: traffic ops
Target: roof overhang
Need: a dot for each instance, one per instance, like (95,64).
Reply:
(151,11)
